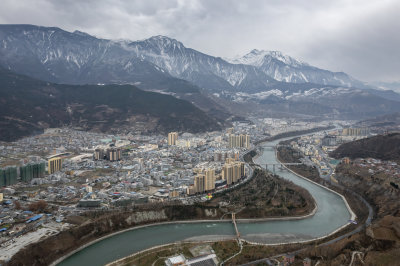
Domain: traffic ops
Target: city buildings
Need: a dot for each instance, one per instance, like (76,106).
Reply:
(209,175)
(355,131)
(222,155)
(232,171)
(111,154)
(239,141)
(199,183)
(329,140)
(204,181)
(8,176)
(114,154)
(32,170)
(54,165)
(172,138)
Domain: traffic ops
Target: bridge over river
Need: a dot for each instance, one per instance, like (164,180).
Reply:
(332,214)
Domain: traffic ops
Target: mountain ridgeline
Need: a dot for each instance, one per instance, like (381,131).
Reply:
(29,105)
(52,54)
(262,82)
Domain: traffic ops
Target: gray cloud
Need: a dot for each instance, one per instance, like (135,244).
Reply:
(355,36)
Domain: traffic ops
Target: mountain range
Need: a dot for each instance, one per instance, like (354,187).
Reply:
(56,55)
(260,82)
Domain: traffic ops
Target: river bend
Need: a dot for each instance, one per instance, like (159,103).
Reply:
(332,214)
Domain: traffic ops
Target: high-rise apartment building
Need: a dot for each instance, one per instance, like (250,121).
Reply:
(32,170)
(199,183)
(209,179)
(220,156)
(204,181)
(227,173)
(98,154)
(355,131)
(229,160)
(239,141)
(172,137)
(8,176)
(233,171)
(113,154)
(54,165)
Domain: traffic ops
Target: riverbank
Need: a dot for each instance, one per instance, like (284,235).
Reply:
(353,203)
(360,209)
(216,238)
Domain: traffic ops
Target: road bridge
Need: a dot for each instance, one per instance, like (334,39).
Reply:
(273,146)
(280,165)
(234,224)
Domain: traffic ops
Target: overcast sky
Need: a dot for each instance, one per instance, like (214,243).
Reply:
(360,37)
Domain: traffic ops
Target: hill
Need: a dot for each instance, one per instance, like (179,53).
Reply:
(28,105)
(384,147)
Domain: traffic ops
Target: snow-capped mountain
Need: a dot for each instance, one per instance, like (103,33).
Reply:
(79,58)
(260,57)
(165,64)
(56,55)
(212,73)
(288,69)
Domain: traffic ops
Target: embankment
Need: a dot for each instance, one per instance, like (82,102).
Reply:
(65,242)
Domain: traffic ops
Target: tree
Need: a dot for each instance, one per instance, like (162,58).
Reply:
(17,205)
(39,206)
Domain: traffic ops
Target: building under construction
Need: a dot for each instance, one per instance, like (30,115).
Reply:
(54,165)
(8,176)
(112,154)
(31,171)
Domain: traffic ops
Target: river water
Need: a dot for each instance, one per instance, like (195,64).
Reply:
(332,214)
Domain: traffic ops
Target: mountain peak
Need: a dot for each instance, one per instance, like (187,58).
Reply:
(81,33)
(164,41)
(259,57)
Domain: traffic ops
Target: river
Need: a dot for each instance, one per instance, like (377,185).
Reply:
(332,214)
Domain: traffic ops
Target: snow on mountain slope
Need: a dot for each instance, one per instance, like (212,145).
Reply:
(77,58)
(60,56)
(288,69)
(259,57)
(165,64)
(195,66)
